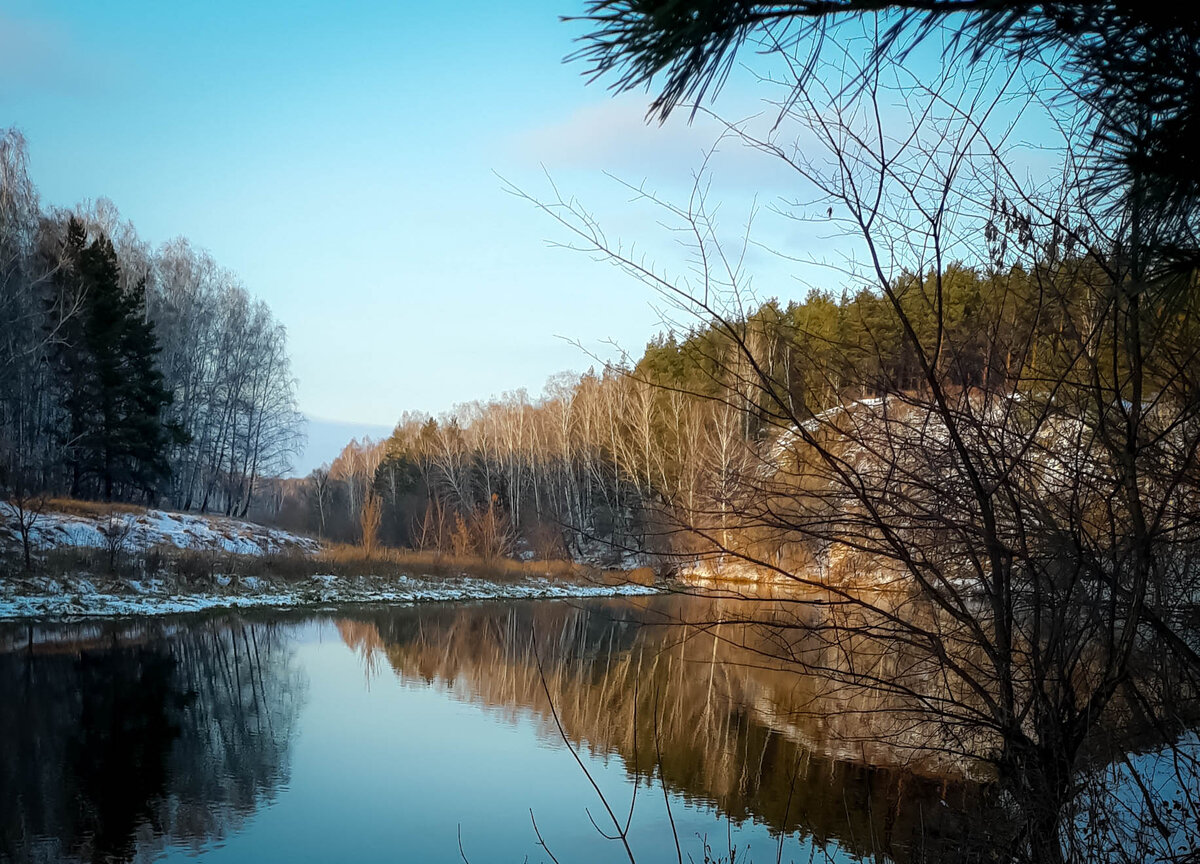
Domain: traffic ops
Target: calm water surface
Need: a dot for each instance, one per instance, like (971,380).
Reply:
(381,735)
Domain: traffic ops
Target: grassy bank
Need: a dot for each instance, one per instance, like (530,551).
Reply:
(77,537)
(94,559)
(202,566)
(79,582)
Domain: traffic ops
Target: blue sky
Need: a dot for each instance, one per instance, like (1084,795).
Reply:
(344,158)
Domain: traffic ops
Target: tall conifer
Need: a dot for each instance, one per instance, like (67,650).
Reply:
(114,396)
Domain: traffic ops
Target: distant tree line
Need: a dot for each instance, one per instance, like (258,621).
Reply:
(637,456)
(130,373)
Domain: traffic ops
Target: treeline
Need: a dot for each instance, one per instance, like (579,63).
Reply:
(649,456)
(127,372)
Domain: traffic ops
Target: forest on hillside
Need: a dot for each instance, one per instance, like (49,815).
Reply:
(656,454)
(131,373)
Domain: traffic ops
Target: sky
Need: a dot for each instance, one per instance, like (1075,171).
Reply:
(352,161)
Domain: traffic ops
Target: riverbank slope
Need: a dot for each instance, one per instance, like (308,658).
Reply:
(95,560)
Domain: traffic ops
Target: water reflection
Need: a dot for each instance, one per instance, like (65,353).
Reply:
(726,730)
(147,740)
(116,740)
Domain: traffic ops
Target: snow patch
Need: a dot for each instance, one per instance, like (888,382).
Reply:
(156,528)
(46,597)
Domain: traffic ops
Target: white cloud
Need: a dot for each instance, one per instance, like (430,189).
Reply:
(613,135)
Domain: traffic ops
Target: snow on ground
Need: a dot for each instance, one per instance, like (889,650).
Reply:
(45,597)
(154,528)
(88,595)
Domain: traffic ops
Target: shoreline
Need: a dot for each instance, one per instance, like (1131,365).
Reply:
(58,599)
(157,563)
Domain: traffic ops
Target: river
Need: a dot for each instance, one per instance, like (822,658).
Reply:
(395,734)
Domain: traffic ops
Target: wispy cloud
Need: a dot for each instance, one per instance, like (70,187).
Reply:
(613,135)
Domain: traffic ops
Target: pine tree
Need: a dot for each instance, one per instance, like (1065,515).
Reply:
(113,394)
(146,439)
(104,322)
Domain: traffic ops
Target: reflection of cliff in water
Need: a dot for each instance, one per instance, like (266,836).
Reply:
(726,729)
(116,740)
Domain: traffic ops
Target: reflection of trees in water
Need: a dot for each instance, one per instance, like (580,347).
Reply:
(125,738)
(734,731)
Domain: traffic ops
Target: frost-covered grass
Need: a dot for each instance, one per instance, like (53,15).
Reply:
(56,597)
(75,581)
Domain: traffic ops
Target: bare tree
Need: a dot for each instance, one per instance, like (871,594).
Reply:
(25,504)
(1023,542)
(116,529)
(370,516)
(319,480)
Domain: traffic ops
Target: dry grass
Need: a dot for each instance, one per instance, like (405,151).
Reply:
(344,560)
(91,509)
(194,567)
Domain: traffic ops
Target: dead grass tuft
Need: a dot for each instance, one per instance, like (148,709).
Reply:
(91,509)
